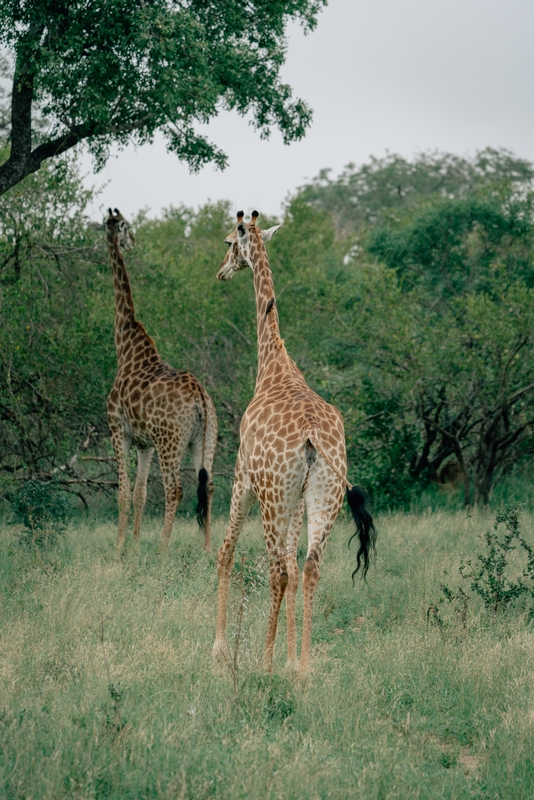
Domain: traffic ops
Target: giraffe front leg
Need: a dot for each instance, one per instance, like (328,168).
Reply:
(243,499)
(292,584)
(144,458)
(121,446)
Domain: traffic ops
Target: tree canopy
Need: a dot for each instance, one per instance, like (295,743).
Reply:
(418,326)
(111,71)
(431,352)
(388,187)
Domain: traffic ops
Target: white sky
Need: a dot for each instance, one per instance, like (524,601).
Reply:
(453,75)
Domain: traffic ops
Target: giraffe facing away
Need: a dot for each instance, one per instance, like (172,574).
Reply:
(154,406)
(291,458)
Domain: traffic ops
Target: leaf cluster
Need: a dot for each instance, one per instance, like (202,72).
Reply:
(501,573)
(434,330)
(42,510)
(389,187)
(488,577)
(109,71)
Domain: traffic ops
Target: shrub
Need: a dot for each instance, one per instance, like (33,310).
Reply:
(491,575)
(43,511)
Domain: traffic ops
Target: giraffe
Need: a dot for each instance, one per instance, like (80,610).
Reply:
(291,458)
(154,406)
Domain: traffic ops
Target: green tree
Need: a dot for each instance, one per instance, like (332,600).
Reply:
(460,382)
(440,249)
(434,374)
(422,336)
(54,371)
(114,71)
(362,196)
(448,248)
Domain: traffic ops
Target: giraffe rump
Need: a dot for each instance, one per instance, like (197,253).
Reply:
(365,529)
(202,497)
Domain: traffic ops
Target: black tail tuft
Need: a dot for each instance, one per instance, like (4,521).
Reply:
(357,500)
(202,494)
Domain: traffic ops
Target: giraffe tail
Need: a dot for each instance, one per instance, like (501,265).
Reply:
(203,475)
(202,497)
(357,500)
(365,528)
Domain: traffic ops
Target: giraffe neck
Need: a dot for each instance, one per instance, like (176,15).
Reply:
(128,331)
(270,345)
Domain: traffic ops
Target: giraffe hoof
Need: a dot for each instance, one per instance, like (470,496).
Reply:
(303,671)
(220,652)
(292,666)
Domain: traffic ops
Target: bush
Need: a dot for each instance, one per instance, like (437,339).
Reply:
(495,575)
(43,511)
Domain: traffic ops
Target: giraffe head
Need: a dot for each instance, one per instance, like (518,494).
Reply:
(120,229)
(241,243)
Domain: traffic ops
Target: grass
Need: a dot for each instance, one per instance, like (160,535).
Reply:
(107,687)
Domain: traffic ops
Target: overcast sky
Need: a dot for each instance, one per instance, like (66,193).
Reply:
(453,75)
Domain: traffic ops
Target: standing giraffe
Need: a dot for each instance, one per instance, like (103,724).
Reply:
(291,458)
(152,405)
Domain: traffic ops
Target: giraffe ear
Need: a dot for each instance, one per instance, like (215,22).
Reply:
(242,230)
(269,233)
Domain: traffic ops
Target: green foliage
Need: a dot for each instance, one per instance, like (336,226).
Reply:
(110,72)
(451,247)
(389,187)
(432,351)
(500,574)
(42,509)
(419,328)
(489,573)
(54,366)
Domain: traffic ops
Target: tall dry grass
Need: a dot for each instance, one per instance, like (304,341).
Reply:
(108,691)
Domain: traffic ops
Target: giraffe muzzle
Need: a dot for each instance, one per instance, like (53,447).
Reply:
(226,271)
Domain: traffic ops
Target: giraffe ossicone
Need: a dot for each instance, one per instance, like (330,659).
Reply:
(291,459)
(153,406)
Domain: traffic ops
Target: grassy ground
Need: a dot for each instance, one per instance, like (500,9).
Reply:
(107,687)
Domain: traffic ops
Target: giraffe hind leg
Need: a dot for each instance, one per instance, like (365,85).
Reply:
(281,536)
(144,459)
(278,585)
(173,494)
(324,496)
(292,584)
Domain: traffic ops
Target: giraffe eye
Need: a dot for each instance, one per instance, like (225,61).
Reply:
(229,244)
